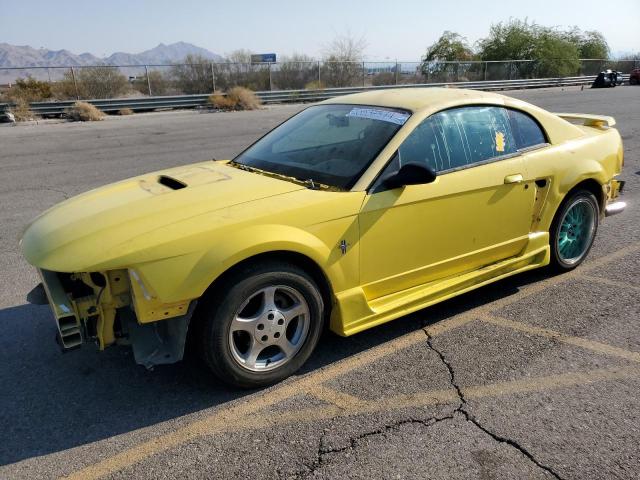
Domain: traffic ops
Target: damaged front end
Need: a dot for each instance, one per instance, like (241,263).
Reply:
(114,307)
(613,205)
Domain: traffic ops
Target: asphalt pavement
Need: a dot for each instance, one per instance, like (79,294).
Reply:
(536,376)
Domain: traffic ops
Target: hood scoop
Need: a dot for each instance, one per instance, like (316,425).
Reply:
(171,183)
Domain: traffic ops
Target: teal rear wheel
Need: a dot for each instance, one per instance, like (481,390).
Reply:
(574,230)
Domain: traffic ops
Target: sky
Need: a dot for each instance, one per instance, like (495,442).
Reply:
(392,29)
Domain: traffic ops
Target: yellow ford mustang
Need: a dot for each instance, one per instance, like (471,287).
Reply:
(354,212)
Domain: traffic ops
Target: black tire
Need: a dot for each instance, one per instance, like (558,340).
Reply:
(217,311)
(558,262)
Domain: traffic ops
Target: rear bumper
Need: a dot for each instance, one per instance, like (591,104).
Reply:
(614,208)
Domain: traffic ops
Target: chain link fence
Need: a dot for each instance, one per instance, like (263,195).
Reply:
(111,81)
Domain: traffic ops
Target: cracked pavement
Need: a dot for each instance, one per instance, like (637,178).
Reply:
(463,409)
(533,377)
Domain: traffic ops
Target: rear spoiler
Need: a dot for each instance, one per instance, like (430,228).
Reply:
(588,120)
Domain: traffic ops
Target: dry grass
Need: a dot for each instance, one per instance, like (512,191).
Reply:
(22,111)
(84,112)
(244,98)
(125,111)
(315,85)
(221,102)
(237,98)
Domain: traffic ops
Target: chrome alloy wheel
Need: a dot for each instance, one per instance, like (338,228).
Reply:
(269,328)
(577,228)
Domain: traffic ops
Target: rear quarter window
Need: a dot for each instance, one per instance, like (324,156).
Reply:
(526,130)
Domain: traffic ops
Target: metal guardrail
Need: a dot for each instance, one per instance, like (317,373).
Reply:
(287,96)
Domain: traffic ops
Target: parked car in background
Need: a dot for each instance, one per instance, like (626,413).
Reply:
(607,78)
(634,77)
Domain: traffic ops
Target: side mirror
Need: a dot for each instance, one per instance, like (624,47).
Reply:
(410,174)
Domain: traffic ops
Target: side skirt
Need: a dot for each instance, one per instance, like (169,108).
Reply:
(353,313)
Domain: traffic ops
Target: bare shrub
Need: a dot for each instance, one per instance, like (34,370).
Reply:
(315,85)
(193,75)
(156,80)
(84,112)
(92,82)
(21,111)
(244,98)
(384,78)
(240,71)
(30,90)
(295,72)
(237,98)
(343,61)
(221,102)
(64,89)
(125,111)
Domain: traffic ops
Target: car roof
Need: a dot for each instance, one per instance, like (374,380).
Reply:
(419,98)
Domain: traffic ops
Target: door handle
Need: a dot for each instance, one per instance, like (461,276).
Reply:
(515,178)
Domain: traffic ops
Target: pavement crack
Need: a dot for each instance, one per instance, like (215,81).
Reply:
(452,373)
(323,453)
(471,419)
(511,443)
(62,192)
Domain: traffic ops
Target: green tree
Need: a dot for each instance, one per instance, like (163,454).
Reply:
(451,46)
(553,51)
(512,40)
(590,44)
(556,56)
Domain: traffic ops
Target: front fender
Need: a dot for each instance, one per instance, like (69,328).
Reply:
(188,276)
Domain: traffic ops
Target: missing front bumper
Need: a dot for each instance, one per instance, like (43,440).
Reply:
(82,316)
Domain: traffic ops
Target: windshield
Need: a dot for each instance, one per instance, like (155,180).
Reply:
(326,144)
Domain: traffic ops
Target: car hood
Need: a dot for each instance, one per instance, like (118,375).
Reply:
(93,227)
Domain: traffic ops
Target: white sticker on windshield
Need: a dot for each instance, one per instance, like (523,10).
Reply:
(378,114)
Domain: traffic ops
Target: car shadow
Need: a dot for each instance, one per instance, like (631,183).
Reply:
(52,402)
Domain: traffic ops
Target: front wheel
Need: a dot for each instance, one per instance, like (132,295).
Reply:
(573,230)
(263,327)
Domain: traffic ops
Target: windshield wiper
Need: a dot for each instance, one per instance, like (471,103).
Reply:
(309,183)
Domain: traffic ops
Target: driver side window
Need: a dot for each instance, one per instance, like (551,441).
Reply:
(459,138)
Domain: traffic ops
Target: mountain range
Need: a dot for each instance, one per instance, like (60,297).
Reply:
(26,56)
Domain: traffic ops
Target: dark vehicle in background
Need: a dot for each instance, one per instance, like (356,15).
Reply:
(607,78)
(634,77)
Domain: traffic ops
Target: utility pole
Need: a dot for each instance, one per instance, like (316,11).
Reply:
(146,72)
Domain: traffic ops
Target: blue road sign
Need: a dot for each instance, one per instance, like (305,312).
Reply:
(263,58)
